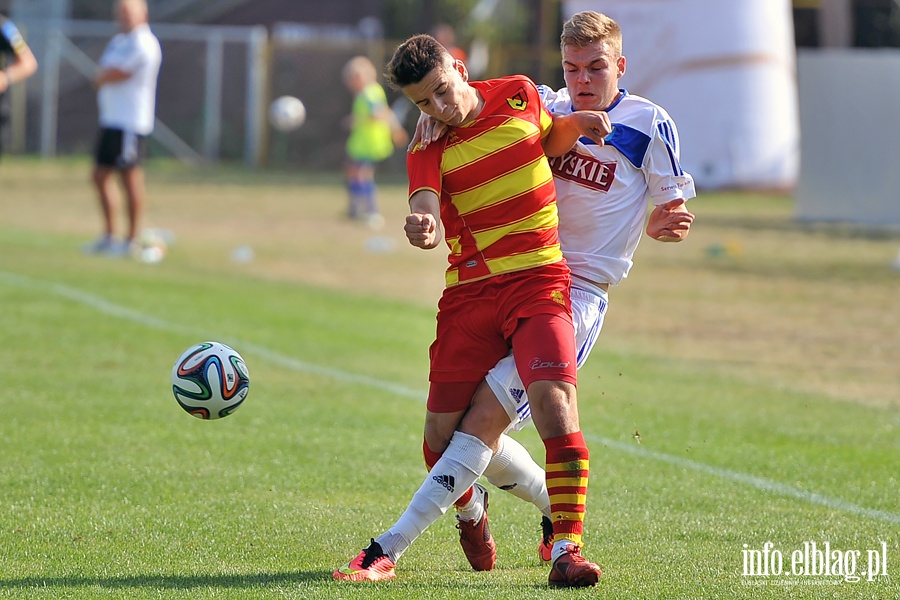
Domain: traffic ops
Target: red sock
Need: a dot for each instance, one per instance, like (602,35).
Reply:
(431,457)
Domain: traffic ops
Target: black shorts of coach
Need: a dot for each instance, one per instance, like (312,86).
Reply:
(4,120)
(119,149)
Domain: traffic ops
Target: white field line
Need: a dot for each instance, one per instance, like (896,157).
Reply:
(767,485)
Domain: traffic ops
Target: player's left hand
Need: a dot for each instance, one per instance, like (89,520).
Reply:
(670,221)
(428,130)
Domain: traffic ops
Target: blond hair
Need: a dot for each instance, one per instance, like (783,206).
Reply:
(360,66)
(589,27)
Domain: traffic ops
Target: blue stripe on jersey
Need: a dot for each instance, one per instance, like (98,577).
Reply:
(585,349)
(524,411)
(665,130)
(622,93)
(630,142)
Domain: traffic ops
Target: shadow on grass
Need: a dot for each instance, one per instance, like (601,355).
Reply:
(481,588)
(175,582)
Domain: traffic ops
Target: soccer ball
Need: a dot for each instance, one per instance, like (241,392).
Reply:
(210,380)
(287,113)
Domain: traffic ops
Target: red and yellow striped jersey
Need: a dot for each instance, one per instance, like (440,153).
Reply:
(498,201)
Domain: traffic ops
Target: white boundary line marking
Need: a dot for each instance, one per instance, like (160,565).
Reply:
(767,485)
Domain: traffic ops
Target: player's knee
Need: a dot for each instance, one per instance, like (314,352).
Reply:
(554,408)
(556,392)
(486,418)
(439,428)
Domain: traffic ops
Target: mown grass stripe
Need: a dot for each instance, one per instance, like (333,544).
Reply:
(761,483)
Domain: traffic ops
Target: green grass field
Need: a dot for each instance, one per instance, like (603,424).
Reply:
(746,389)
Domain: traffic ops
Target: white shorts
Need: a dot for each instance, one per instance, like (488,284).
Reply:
(588,310)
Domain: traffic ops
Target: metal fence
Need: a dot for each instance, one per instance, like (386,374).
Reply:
(213,83)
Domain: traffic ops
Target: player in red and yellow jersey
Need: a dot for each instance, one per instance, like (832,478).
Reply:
(498,201)
(487,190)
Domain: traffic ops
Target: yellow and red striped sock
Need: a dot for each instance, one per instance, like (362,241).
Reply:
(567,480)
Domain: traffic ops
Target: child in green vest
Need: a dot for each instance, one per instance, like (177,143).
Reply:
(374,131)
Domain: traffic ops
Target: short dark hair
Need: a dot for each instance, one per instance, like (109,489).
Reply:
(414,59)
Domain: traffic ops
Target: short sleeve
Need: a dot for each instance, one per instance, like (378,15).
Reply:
(10,38)
(666,179)
(423,167)
(547,94)
(544,119)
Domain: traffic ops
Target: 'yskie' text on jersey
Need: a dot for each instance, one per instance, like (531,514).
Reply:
(584,170)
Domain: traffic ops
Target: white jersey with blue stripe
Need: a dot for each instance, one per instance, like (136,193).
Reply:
(603,191)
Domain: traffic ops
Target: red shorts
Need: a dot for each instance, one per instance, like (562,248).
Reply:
(478,322)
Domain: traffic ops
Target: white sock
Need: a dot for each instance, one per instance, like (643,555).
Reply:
(559,548)
(513,469)
(462,463)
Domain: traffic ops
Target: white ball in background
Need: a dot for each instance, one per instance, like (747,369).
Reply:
(242,254)
(287,113)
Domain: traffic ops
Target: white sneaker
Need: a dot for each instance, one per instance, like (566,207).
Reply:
(123,249)
(375,221)
(101,245)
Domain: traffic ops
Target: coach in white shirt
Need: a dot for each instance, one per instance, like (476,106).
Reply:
(126,99)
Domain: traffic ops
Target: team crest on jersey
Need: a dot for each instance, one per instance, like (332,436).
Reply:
(558,297)
(519,101)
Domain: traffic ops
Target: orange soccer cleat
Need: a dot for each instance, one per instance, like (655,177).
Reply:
(372,564)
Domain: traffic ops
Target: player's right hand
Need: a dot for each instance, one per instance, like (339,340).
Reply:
(422,230)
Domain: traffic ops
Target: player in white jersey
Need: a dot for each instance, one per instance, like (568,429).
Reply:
(603,192)
(126,99)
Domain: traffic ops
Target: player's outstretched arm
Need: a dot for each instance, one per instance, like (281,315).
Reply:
(670,221)
(423,224)
(23,66)
(566,130)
